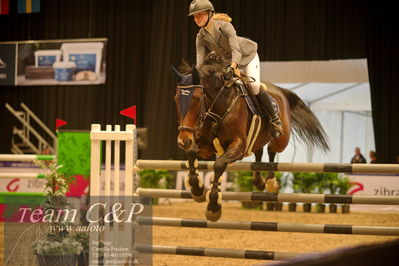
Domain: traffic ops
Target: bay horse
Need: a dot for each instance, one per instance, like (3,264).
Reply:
(210,109)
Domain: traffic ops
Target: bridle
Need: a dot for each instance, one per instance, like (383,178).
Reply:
(216,119)
(187,128)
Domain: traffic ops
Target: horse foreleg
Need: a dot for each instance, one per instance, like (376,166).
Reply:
(234,152)
(271,182)
(194,182)
(258,178)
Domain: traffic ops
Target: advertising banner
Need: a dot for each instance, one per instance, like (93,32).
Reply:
(55,62)
(375,185)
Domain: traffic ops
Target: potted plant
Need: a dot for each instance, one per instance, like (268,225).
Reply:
(297,188)
(151,178)
(344,185)
(332,185)
(270,206)
(83,239)
(307,183)
(54,250)
(58,247)
(320,188)
(278,206)
(244,180)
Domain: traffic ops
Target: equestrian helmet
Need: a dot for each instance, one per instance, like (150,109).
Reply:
(197,6)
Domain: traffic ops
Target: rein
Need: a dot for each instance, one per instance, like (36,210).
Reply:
(217,119)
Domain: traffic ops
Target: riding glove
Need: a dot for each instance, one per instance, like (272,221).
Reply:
(228,73)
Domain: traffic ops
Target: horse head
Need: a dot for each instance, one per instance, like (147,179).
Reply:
(189,101)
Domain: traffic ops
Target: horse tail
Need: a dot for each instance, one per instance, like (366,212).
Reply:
(304,122)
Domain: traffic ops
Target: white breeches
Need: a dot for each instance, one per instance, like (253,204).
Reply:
(253,70)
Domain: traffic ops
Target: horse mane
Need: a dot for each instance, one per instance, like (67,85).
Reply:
(212,64)
(184,68)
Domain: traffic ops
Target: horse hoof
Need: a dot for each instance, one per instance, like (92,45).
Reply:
(261,187)
(201,197)
(272,185)
(259,183)
(214,207)
(213,216)
(196,186)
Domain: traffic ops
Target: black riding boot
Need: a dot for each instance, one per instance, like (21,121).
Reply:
(266,103)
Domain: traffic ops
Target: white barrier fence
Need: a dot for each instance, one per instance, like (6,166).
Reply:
(116,234)
(111,137)
(127,136)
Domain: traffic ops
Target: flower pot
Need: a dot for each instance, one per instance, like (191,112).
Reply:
(320,208)
(269,206)
(345,208)
(278,206)
(59,260)
(251,204)
(307,207)
(292,207)
(83,259)
(333,208)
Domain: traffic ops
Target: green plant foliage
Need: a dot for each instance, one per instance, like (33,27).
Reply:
(316,183)
(320,183)
(57,183)
(83,238)
(331,182)
(150,178)
(282,180)
(304,182)
(50,246)
(56,186)
(244,180)
(344,185)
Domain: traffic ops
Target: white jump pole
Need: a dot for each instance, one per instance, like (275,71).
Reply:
(25,157)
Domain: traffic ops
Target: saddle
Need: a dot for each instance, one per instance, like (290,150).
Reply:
(257,114)
(252,102)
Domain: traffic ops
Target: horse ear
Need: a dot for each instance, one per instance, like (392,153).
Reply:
(178,76)
(195,75)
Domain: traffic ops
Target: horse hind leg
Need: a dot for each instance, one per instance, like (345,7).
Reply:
(259,183)
(194,182)
(271,182)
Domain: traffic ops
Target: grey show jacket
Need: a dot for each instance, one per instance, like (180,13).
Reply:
(232,47)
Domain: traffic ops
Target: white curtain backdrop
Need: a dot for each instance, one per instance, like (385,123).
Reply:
(338,93)
(345,131)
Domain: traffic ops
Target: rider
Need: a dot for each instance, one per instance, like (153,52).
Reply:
(218,34)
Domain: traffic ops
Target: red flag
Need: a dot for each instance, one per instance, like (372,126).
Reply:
(4,7)
(59,123)
(130,112)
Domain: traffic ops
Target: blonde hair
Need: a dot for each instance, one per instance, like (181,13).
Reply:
(222,16)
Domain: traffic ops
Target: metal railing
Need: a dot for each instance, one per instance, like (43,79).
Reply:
(31,139)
